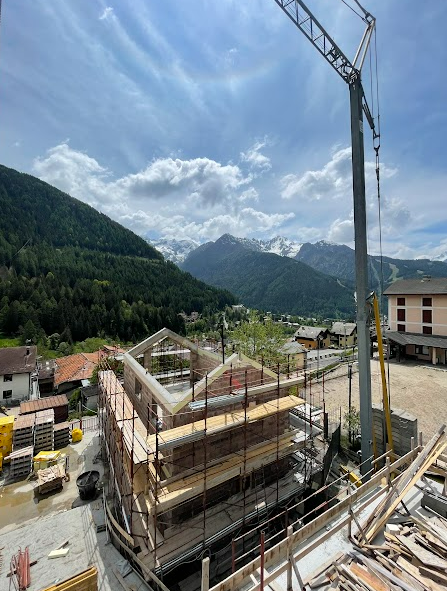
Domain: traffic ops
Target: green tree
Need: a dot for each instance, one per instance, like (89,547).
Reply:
(352,423)
(29,333)
(259,339)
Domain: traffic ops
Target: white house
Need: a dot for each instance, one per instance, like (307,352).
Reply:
(17,365)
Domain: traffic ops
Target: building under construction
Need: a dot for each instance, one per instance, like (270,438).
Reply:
(203,451)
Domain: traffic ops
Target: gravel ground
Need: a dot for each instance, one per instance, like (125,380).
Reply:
(418,389)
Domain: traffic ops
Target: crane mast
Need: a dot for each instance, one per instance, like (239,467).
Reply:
(301,16)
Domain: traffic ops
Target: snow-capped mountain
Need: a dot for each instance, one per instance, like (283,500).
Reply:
(174,250)
(277,245)
(177,250)
(440,257)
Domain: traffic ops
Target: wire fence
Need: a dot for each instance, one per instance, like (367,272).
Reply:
(86,424)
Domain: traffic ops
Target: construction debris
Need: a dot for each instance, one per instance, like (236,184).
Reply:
(51,478)
(407,480)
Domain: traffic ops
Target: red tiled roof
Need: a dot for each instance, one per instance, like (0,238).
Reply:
(75,367)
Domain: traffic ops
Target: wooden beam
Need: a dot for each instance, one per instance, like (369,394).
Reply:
(195,431)
(397,492)
(205,574)
(279,550)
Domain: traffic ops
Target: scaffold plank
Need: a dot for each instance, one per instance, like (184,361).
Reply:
(197,430)
(187,488)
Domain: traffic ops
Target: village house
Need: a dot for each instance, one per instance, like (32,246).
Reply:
(417,310)
(296,353)
(313,337)
(17,370)
(74,371)
(343,334)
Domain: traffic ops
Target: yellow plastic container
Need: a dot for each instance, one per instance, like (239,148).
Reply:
(76,435)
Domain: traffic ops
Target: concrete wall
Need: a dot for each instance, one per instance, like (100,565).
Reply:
(20,386)
(413,313)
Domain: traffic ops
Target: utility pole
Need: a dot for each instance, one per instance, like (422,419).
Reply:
(350,72)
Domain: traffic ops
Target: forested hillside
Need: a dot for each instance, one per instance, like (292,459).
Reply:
(66,268)
(269,281)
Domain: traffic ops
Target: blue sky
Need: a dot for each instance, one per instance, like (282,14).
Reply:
(188,119)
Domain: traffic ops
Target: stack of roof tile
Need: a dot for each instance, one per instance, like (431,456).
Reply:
(21,463)
(23,432)
(43,430)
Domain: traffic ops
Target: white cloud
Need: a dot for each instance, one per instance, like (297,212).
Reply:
(207,181)
(202,180)
(74,172)
(249,195)
(246,222)
(197,198)
(255,158)
(334,180)
(341,231)
(107,13)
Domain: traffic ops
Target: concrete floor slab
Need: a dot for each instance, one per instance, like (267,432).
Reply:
(86,547)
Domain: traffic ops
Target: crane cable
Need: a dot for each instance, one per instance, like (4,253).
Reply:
(376,146)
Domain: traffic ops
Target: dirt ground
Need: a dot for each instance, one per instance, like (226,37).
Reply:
(418,389)
(19,503)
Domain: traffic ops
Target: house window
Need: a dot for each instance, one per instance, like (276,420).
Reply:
(401,301)
(401,314)
(401,327)
(7,377)
(426,302)
(7,394)
(420,350)
(427,330)
(426,316)
(137,389)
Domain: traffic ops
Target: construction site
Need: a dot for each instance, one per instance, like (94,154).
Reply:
(206,453)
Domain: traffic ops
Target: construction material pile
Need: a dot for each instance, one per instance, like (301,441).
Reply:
(413,557)
(394,548)
(21,463)
(61,432)
(50,478)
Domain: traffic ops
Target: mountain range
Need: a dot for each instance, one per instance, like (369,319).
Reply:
(177,250)
(268,281)
(337,260)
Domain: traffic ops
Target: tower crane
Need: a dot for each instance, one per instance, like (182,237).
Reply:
(350,72)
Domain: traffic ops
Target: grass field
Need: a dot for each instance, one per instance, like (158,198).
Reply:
(9,341)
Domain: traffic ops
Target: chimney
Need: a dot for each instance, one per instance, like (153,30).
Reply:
(426,278)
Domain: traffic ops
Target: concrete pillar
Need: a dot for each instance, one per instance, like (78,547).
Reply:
(433,359)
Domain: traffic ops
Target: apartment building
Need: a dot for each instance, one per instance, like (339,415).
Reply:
(417,310)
